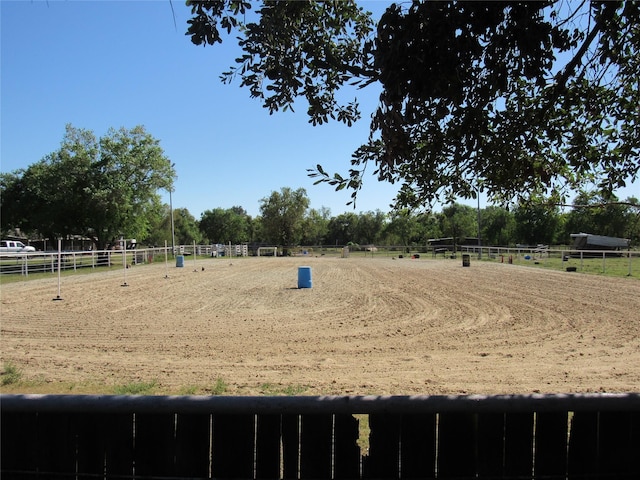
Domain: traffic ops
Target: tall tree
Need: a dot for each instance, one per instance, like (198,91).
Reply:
(404,226)
(256,229)
(497,225)
(429,226)
(459,221)
(580,219)
(538,224)
(97,188)
(159,226)
(512,98)
(186,227)
(226,225)
(283,216)
(370,227)
(633,221)
(600,215)
(316,226)
(343,229)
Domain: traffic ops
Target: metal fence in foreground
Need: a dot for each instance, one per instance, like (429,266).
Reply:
(581,436)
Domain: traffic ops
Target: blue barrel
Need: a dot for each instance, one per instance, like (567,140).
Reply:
(304,277)
(179,260)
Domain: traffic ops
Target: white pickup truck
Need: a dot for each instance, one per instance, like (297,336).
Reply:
(14,246)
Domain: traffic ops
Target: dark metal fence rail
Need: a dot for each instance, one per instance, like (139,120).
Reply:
(452,437)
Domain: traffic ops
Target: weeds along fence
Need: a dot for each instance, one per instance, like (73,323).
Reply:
(580,436)
(617,263)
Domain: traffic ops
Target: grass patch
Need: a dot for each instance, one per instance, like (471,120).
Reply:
(11,374)
(220,387)
(289,390)
(188,390)
(364,431)
(136,388)
(609,266)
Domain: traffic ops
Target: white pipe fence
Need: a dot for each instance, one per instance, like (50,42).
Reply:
(621,262)
(47,262)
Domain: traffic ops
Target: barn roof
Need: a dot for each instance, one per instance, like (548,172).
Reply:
(441,241)
(590,240)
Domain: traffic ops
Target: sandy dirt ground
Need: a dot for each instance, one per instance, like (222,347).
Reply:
(367,326)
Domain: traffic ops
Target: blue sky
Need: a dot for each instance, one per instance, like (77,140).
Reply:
(116,64)
(107,64)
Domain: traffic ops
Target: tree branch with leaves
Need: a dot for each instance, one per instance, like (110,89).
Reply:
(507,98)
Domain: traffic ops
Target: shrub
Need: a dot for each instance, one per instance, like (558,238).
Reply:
(10,374)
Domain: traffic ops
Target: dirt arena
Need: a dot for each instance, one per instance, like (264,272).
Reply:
(367,326)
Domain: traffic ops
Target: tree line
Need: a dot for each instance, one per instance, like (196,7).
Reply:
(285,219)
(107,188)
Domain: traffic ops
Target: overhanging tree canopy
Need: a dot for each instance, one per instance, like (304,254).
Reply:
(503,97)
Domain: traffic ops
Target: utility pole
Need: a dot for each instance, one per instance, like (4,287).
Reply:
(479,239)
(173,230)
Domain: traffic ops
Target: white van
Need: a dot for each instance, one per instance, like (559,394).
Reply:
(14,246)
